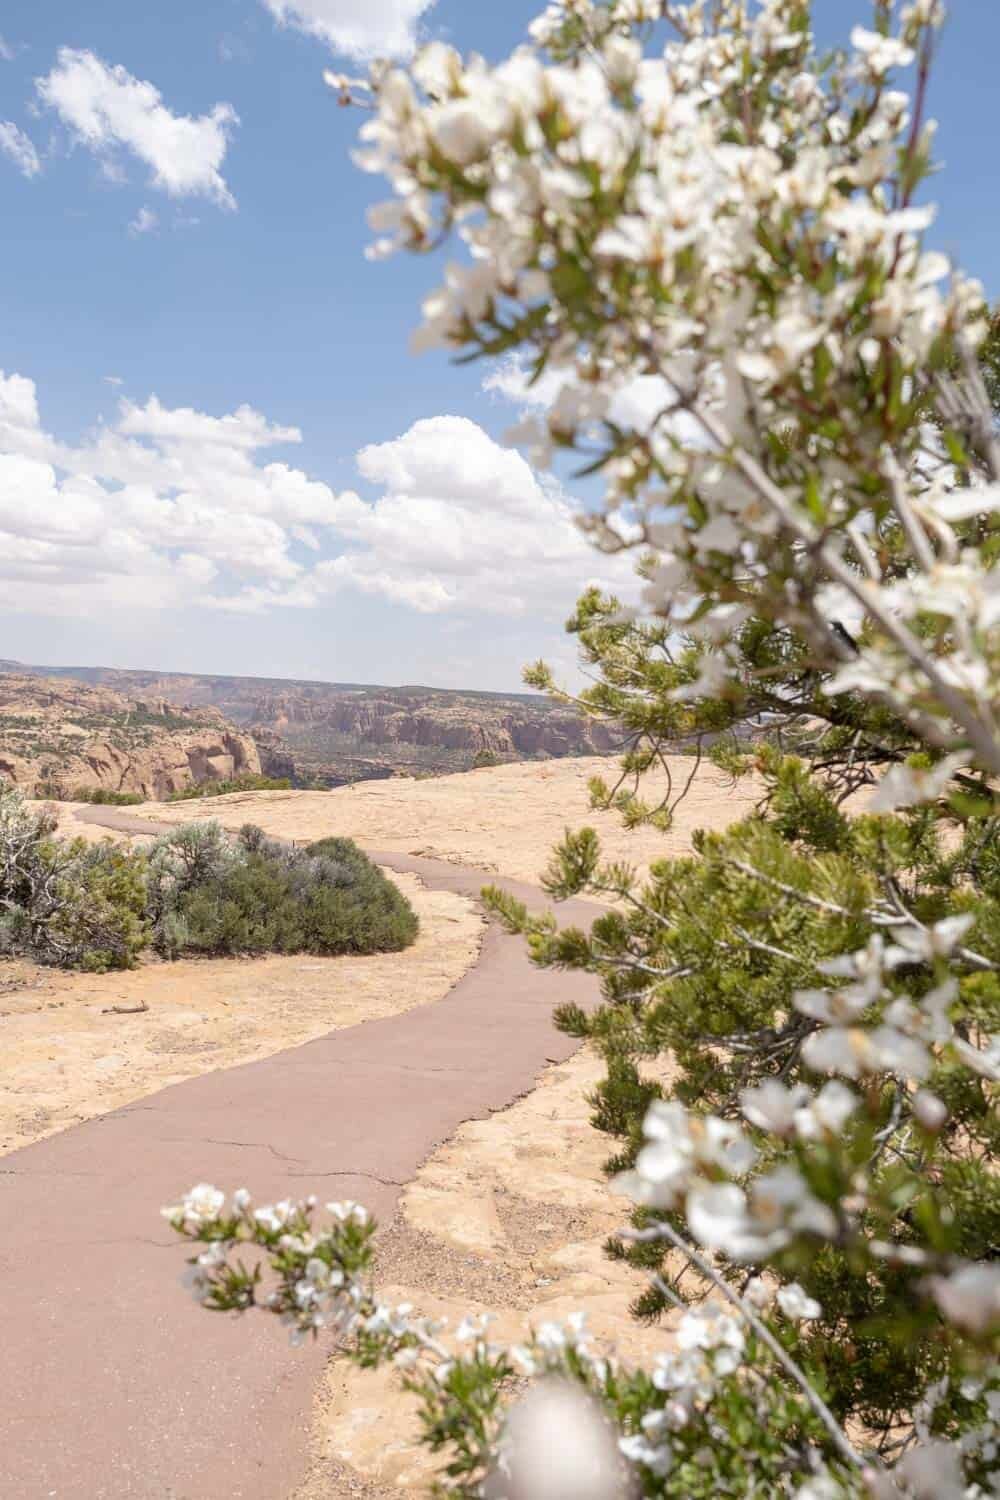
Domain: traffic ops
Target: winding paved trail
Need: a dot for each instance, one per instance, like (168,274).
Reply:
(113,1383)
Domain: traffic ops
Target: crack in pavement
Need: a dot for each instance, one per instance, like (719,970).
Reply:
(366,1176)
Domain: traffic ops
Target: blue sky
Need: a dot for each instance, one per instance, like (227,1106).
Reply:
(272,306)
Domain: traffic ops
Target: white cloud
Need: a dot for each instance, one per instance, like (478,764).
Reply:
(170,507)
(464,525)
(361,28)
(7,53)
(144,222)
(19,148)
(106,109)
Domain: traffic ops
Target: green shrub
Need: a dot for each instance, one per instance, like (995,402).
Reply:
(223,788)
(100,796)
(67,903)
(372,909)
(209,896)
(196,892)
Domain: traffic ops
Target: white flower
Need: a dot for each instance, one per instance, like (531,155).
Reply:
(827,1113)
(797,1305)
(930,1111)
(834,1006)
(622,56)
(751,1225)
(916,945)
(881,52)
(853,1052)
(465,128)
(970,1298)
(759,1293)
(524,1359)
(715,1330)
(796,1111)
(557,1441)
(274,1216)
(201,1206)
(658,1458)
(932,1471)
(551,1338)
(907,786)
(773,1107)
(346,1212)
(438,69)
(677,1144)
(471,1328)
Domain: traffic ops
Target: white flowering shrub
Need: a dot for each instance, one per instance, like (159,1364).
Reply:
(708,240)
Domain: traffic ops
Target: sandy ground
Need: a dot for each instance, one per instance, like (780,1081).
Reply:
(510,1217)
(67,1056)
(505,819)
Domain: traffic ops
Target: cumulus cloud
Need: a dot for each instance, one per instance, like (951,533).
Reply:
(464,525)
(107,110)
(19,148)
(167,507)
(361,28)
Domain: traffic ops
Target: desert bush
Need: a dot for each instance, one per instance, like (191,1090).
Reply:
(67,903)
(54,791)
(101,797)
(706,235)
(210,895)
(224,788)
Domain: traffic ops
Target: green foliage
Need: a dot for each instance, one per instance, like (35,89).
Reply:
(210,896)
(99,796)
(699,964)
(224,788)
(71,904)
(196,893)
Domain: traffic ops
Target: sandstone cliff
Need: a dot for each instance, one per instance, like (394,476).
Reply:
(58,737)
(326,733)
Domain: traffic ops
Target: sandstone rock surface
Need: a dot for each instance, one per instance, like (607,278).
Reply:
(58,737)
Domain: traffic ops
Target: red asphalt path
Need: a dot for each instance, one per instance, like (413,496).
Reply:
(113,1383)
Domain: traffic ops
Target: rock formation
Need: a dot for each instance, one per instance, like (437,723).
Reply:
(58,737)
(328,733)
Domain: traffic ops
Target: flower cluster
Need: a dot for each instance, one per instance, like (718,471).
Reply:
(909,1029)
(586,1423)
(319,1272)
(734,220)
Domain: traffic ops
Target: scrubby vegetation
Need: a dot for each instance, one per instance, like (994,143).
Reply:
(223,788)
(67,902)
(210,895)
(195,892)
(100,796)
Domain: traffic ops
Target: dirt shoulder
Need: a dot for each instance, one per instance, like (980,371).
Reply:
(509,1217)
